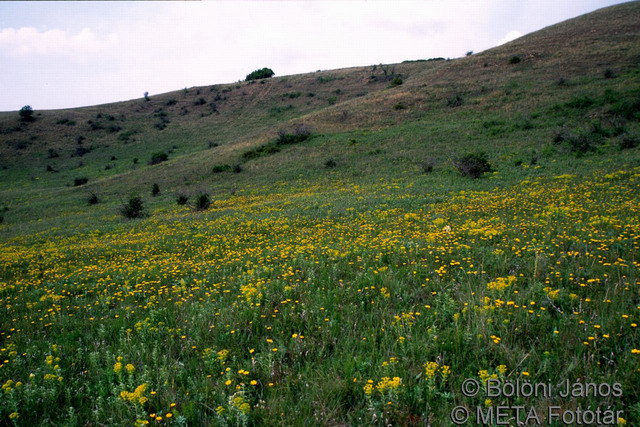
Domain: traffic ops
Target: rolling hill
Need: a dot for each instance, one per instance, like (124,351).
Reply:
(343,266)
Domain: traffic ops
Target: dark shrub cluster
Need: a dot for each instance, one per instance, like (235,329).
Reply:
(628,108)
(80,151)
(182,199)
(95,125)
(330,164)
(163,120)
(428,165)
(80,181)
(299,134)
(629,141)
(155,189)
(127,136)
(262,150)
(292,95)
(133,208)
(26,114)
(455,100)
(397,81)
(326,79)
(203,201)
(221,168)
(65,121)
(579,143)
(515,59)
(93,199)
(158,157)
(274,111)
(262,73)
(473,165)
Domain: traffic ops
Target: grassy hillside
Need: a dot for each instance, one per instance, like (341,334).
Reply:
(345,271)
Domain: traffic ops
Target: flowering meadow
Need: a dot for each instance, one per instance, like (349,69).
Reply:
(339,303)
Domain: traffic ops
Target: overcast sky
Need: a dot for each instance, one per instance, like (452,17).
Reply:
(69,54)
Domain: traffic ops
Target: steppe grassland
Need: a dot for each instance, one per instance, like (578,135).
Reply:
(309,305)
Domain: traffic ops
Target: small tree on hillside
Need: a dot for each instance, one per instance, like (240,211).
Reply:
(473,165)
(134,208)
(263,73)
(26,114)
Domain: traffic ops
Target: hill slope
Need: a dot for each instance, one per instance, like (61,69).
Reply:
(199,128)
(345,272)
(206,126)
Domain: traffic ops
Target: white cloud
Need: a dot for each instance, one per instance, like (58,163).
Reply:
(511,35)
(27,41)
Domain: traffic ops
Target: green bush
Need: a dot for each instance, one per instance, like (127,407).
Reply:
(203,201)
(628,142)
(26,114)
(133,208)
(428,165)
(300,133)
(93,199)
(330,164)
(80,181)
(473,165)
(397,81)
(65,121)
(221,168)
(455,100)
(158,157)
(155,189)
(628,108)
(262,150)
(127,136)
(515,59)
(326,79)
(263,73)
(182,199)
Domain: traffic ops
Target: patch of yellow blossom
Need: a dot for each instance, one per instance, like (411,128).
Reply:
(431,369)
(501,283)
(136,396)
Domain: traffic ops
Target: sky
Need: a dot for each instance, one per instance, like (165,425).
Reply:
(70,54)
